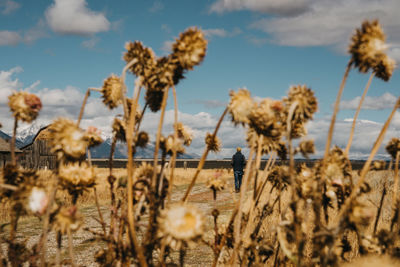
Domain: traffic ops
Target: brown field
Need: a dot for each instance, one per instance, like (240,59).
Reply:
(30,227)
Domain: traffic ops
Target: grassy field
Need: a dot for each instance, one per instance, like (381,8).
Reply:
(29,227)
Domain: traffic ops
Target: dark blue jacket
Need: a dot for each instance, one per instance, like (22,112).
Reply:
(238,161)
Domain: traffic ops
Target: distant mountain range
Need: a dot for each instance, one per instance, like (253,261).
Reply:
(26,135)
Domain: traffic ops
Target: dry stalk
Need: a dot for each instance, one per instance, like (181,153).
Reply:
(353,125)
(203,158)
(129,139)
(396,182)
(87,94)
(367,164)
(12,143)
(378,213)
(336,109)
(257,165)
(70,247)
(173,159)
(103,224)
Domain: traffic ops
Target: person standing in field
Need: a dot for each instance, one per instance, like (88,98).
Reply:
(238,163)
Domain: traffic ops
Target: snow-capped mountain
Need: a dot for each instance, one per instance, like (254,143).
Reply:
(25,135)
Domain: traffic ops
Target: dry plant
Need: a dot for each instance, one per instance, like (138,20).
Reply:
(305,216)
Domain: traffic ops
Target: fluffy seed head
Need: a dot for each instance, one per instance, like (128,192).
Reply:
(216,183)
(306,147)
(93,136)
(306,102)
(112,91)
(144,57)
(24,106)
(77,177)
(180,224)
(263,119)
(213,143)
(368,50)
(393,147)
(142,139)
(67,140)
(240,106)
(67,219)
(38,201)
(190,48)
(184,133)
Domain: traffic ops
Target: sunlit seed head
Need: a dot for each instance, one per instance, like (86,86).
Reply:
(213,143)
(112,91)
(24,106)
(144,57)
(240,106)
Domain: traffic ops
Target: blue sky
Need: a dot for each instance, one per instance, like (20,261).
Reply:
(59,48)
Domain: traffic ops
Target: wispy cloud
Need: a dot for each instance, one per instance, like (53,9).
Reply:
(277,7)
(385,101)
(37,32)
(211,103)
(9,38)
(156,7)
(90,43)
(219,32)
(8,6)
(74,17)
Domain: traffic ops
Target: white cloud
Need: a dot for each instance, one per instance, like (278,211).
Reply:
(9,38)
(278,7)
(90,43)
(167,46)
(8,83)
(157,6)
(8,6)
(37,32)
(74,17)
(385,101)
(330,23)
(219,32)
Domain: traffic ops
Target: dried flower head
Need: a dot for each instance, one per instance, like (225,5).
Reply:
(154,99)
(216,183)
(144,57)
(67,140)
(337,167)
(360,213)
(393,147)
(378,165)
(305,101)
(268,143)
(112,91)
(142,139)
(180,224)
(306,147)
(307,181)
(77,177)
(367,46)
(385,67)
(190,48)
(93,136)
(119,129)
(263,119)
(240,106)
(67,219)
(213,143)
(161,75)
(168,144)
(184,133)
(24,106)
(38,201)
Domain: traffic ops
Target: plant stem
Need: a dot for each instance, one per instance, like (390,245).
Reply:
(103,224)
(203,158)
(83,106)
(336,109)
(129,140)
(58,252)
(367,164)
(396,182)
(378,213)
(257,165)
(70,245)
(353,126)
(173,159)
(12,144)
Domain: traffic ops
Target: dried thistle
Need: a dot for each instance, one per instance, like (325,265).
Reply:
(180,224)
(213,143)
(168,144)
(306,102)
(77,177)
(93,136)
(368,50)
(240,106)
(67,140)
(393,147)
(144,56)
(24,106)
(190,48)
(112,91)
(306,147)
(142,139)
(264,120)
(185,133)
(67,219)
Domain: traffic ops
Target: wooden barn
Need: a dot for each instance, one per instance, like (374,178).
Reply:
(5,152)
(37,155)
